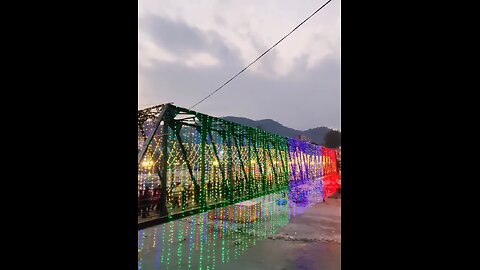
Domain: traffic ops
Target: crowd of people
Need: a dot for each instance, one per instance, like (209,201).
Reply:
(178,197)
(149,201)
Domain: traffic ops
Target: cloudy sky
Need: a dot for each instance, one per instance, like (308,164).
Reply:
(188,48)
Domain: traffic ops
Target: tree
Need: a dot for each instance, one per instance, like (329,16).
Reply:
(333,139)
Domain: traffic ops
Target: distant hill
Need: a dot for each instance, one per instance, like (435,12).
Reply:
(315,135)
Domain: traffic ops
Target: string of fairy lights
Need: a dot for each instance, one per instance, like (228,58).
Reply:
(230,163)
(217,163)
(203,242)
(234,174)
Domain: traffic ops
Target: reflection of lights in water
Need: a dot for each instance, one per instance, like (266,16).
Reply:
(212,238)
(207,240)
(180,241)
(282,163)
(158,253)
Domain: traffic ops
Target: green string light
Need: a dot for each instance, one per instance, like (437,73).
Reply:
(213,163)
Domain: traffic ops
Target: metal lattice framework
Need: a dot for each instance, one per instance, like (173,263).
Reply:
(192,162)
(196,162)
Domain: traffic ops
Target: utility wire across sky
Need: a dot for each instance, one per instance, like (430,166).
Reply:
(211,94)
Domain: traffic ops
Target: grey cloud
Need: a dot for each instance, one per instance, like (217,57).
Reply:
(304,99)
(163,30)
(183,39)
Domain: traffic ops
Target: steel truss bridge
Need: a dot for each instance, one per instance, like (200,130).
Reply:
(192,163)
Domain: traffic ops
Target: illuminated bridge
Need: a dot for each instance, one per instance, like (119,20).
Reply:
(190,163)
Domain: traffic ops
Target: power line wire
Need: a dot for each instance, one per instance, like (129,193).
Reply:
(260,55)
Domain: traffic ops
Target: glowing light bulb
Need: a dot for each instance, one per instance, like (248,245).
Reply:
(147,163)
